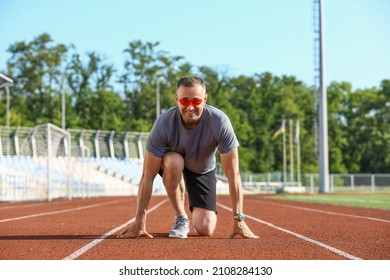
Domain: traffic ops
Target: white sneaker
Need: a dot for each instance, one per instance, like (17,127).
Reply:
(180,228)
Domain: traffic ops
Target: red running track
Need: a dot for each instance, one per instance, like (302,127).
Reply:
(87,229)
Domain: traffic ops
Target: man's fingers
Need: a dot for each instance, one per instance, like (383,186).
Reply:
(243,230)
(128,233)
(246,232)
(147,235)
(249,235)
(122,234)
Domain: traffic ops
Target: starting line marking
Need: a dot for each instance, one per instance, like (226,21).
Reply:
(330,248)
(93,243)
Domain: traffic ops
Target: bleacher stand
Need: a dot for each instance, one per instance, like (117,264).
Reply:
(26,173)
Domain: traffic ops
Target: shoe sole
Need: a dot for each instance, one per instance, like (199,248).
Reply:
(178,236)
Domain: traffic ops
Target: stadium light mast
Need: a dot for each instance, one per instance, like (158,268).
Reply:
(157,97)
(8,81)
(62,100)
(323,112)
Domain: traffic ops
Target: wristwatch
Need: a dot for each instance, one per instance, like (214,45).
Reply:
(239,217)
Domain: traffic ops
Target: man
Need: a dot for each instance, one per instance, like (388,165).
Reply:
(181,148)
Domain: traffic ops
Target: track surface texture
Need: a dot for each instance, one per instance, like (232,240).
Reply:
(86,229)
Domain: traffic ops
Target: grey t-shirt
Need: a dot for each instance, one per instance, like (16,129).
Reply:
(197,146)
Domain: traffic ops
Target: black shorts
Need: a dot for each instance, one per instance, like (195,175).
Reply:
(201,189)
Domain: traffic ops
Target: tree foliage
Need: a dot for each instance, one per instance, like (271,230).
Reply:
(99,96)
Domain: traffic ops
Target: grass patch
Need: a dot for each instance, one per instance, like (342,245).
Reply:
(369,200)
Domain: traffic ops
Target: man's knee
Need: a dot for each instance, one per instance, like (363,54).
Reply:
(172,172)
(204,221)
(172,162)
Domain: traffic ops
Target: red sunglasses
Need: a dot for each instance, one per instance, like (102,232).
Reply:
(187,102)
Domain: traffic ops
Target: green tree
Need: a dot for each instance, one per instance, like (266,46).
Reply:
(358,121)
(337,134)
(146,66)
(369,112)
(89,81)
(36,68)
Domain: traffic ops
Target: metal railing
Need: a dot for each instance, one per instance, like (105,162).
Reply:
(130,146)
(272,182)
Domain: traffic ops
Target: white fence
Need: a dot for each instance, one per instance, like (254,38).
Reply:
(25,178)
(38,164)
(273,183)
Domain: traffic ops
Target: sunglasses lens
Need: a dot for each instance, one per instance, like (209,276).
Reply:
(196,102)
(187,102)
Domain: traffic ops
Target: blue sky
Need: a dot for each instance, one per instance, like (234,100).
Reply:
(240,37)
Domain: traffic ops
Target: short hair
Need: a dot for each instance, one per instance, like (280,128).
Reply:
(190,81)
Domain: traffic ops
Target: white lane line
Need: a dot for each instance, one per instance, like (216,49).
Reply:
(93,243)
(18,206)
(59,211)
(21,204)
(325,212)
(330,248)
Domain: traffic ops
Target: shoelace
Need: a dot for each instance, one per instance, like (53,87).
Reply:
(180,222)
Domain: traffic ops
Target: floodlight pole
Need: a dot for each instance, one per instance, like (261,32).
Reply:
(7,118)
(63,100)
(8,105)
(8,81)
(157,98)
(323,119)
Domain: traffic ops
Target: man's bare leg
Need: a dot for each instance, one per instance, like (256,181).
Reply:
(172,166)
(204,221)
